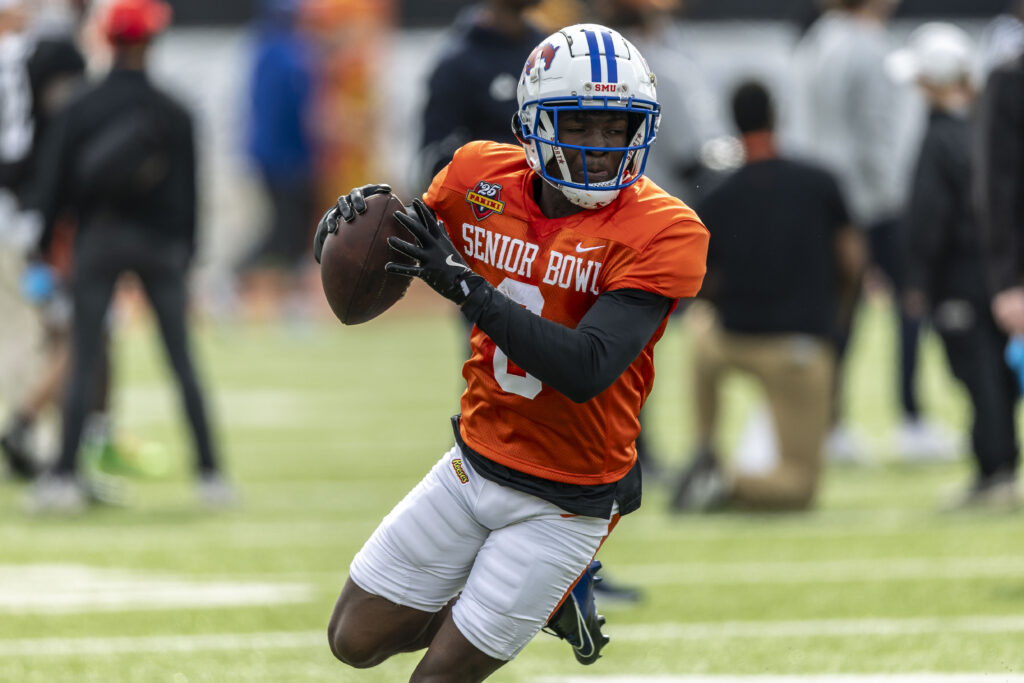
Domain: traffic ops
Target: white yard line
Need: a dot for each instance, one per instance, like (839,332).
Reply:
(821,571)
(46,647)
(64,589)
(267,640)
(814,628)
(802,678)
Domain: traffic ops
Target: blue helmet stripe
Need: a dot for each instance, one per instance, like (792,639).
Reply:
(609,56)
(595,56)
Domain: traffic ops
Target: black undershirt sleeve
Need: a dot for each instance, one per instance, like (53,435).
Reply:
(581,362)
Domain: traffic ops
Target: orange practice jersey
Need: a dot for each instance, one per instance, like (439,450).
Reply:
(557,267)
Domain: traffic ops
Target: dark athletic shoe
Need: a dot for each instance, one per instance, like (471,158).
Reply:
(14,445)
(577,620)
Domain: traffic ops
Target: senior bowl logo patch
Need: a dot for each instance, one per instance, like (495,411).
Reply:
(485,199)
(459,471)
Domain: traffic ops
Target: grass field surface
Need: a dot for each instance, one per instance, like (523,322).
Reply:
(325,428)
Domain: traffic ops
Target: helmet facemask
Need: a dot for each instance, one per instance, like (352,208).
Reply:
(541,118)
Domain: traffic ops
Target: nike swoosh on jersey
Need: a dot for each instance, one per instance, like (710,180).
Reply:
(580,248)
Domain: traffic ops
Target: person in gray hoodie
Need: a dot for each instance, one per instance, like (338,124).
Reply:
(852,118)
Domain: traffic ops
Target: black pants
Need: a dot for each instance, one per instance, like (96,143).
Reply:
(102,254)
(975,347)
(288,242)
(886,247)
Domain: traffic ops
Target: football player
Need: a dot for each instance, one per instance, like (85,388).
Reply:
(568,262)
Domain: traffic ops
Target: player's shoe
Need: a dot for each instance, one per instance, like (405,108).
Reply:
(216,492)
(608,589)
(14,445)
(702,487)
(577,620)
(994,493)
(124,459)
(67,494)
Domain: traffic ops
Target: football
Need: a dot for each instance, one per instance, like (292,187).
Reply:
(352,262)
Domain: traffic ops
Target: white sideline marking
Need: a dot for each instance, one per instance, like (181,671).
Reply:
(45,647)
(53,647)
(799,678)
(64,589)
(824,571)
(810,628)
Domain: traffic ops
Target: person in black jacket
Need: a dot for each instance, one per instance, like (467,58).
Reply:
(472,86)
(945,270)
(121,158)
(999,186)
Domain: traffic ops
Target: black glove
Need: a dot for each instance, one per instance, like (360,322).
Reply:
(347,206)
(440,264)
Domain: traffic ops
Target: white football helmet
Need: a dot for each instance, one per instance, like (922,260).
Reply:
(586,67)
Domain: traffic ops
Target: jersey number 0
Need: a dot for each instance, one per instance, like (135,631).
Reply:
(525,385)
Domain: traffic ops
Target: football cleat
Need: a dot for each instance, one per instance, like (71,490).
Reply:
(577,620)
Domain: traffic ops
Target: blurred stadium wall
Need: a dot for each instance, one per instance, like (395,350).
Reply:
(440,12)
(205,59)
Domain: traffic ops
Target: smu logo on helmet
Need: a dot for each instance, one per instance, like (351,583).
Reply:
(485,199)
(546,52)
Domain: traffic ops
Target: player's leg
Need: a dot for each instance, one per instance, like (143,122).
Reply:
(365,629)
(164,284)
(402,581)
(975,355)
(453,659)
(524,569)
(796,372)
(16,437)
(92,295)
(696,487)
(45,391)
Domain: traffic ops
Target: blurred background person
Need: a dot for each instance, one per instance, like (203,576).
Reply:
(1002,39)
(848,116)
(998,164)
(692,116)
(280,146)
(945,276)
(783,266)
(16,112)
(999,178)
(690,119)
(471,90)
(121,157)
(56,67)
(51,67)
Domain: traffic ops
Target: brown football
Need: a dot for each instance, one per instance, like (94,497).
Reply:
(352,262)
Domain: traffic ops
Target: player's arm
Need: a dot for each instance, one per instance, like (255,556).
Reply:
(47,192)
(581,362)
(926,220)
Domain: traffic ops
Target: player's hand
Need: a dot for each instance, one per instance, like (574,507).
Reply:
(440,264)
(38,282)
(346,208)
(1008,310)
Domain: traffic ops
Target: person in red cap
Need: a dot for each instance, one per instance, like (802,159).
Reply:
(121,157)
(135,21)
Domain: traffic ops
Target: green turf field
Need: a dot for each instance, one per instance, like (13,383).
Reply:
(326,428)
